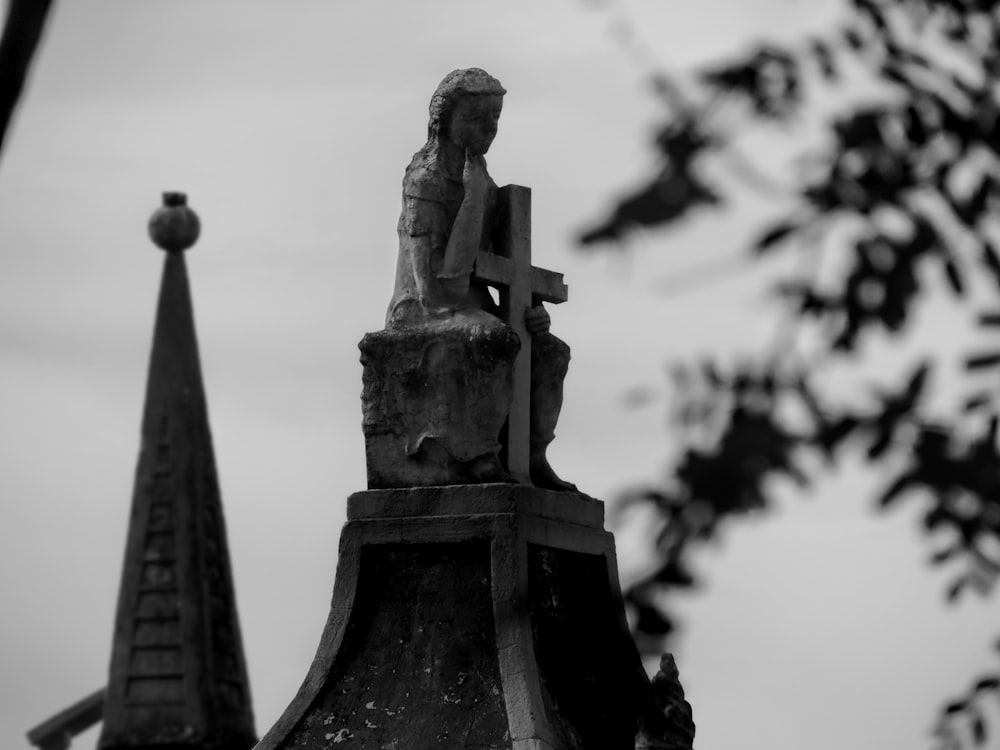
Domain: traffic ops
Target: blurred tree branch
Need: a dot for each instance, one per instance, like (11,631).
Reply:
(905,190)
(21,34)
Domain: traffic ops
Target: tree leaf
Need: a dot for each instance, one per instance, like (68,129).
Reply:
(944,555)
(823,55)
(954,590)
(712,374)
(652,621)
(918,381)
(674,574)
(991,259)
(989,319)
(977,401)
(953,276)
(895,74)
(854,40)
(981,361)
(874,13)
(955,707)
(914,126)
(775,234)
(895,489)
(987,683)
(935,517)
(978,729)
(862,129)
(878,447)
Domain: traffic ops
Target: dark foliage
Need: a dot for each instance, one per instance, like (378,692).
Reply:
(966,713)
(906,192)
(21,34)
(673,192)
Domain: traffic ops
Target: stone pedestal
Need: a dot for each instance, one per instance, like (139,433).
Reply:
(434,402)
(472,616)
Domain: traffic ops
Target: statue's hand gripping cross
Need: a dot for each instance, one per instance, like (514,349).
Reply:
(521,286)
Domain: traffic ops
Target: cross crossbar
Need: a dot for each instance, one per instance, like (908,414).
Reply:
(546,286)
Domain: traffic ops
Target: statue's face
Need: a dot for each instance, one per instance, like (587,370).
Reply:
(473,123)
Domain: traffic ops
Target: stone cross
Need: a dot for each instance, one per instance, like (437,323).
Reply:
(521,285)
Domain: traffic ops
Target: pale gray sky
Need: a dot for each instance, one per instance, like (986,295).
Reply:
(289,125)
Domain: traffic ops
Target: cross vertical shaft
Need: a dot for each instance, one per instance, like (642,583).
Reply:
(521,285)
(515,299)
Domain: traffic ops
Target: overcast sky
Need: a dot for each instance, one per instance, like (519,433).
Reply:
(289,126)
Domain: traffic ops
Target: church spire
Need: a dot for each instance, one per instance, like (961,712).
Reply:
(178,677)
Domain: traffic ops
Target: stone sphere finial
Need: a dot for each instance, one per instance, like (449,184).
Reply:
(174,226)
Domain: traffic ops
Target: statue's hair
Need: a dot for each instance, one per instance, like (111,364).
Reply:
(459,83)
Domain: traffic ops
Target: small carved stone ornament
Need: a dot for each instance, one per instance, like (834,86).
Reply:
(174,227)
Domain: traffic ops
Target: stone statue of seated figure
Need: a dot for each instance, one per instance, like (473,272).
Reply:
(438,378)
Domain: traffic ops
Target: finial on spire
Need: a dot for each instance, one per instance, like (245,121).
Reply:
(174,227)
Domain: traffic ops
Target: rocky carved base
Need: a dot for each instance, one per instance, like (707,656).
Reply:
(434,403)
(477,616)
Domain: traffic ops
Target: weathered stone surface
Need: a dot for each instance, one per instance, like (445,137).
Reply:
(512,499)
(434,401)
(418,667)
(517,590)
(582,648)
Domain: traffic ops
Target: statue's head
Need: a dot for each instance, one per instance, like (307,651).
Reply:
(456,86)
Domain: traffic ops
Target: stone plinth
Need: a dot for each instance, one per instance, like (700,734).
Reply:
(434,402)
(471,616)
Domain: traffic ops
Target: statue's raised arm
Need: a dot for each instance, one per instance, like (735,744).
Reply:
(452,366)
(449,203)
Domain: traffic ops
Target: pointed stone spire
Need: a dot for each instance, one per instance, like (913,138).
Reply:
(178,677)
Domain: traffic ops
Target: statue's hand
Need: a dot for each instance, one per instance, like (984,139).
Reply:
(475,179)
(537,320)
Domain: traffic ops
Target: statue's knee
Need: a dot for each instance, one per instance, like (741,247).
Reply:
(550,354)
